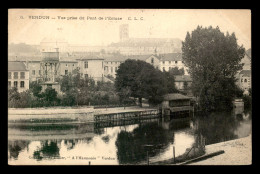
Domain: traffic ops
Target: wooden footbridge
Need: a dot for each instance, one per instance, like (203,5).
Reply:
(126,115)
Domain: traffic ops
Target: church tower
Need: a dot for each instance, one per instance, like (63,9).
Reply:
(123,32)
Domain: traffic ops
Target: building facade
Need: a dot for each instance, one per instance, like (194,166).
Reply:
(163,62)
(112,63)
(244,80)
(172,60)
(182,82)
(18,76)
(91,67)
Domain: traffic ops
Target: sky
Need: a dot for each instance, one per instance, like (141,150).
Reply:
(96,29)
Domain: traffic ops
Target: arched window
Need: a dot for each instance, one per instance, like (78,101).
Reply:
(245,80)
(152,60)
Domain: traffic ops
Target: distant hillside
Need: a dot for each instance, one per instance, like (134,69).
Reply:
(22,48)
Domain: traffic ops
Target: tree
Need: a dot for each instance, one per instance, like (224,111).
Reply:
(170,82)
(213,59)
(13,97)
(49,96)
(142,80)
(176,71)
(35,88)
(76,88)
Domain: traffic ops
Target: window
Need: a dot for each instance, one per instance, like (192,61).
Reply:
(111,69)
(15,75)
(176,62)
(33,72)
(163,68)
(111,63)
(245,80)
(66,65)
(40,72)
(115,68)
(22,84)
(86,75)
(163,62)
(66,72)
(86,64)
(182,61)
(9,75)
(242,80)
(15,84)
(22,75)
(152,60)
(9,83)
(72,64)
(170,62)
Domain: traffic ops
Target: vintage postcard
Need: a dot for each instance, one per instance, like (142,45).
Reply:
(129,87)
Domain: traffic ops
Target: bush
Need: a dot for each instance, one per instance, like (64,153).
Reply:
(247,102)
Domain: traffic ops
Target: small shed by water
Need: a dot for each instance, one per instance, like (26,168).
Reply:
(175,102)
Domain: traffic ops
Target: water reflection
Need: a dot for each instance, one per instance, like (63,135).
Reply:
(131,145)
(219,127)
(49,149)
(124,144)
(15,147)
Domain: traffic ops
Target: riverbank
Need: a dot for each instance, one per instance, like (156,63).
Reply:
(64,114)
(233,152)
(237,152)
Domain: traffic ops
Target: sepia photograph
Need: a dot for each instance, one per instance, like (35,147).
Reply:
(117,87)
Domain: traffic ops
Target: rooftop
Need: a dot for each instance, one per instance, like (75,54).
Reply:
(245,72)
(138,57)
(175,96)
(115,58)
(171,57)
(148,42)
(16,66)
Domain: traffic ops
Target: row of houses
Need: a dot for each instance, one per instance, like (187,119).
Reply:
(98,67)
(163,62)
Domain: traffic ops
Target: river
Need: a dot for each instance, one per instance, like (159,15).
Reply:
(92,144)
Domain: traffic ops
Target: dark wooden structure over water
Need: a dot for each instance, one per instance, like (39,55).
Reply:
(176,105)
(127,116)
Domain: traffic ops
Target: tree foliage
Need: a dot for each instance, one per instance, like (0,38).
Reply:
(213,59)
(176,71)
(35,88)
(141,80)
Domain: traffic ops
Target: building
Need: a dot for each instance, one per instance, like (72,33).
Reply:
(163,62)
(172,60)
(48,43)
(176,105)
(145,46)
(18,76)
(112,63)
(91,66)
(49,67)
(125,46)
(247,60)
(244,80)
(182,81)
(124,32)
